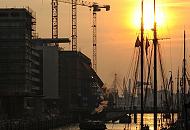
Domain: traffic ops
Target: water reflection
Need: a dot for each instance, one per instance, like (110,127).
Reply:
(148,119)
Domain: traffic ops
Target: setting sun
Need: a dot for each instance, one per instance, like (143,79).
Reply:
(148,16)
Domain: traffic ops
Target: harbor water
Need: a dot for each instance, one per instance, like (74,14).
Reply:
(148,120)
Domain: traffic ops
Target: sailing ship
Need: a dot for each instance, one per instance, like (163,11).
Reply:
(141,49)
(182,122)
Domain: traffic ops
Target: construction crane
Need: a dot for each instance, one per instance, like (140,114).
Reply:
(74,25)
(96,8)
(55,20)
(74,21)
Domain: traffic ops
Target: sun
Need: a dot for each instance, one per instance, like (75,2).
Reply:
(148,17)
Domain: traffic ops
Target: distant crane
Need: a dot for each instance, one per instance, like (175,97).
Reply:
(55,20)
(96,8)
(74,25)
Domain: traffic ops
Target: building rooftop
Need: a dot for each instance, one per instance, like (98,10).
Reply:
(16,12)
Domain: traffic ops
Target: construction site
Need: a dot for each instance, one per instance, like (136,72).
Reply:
(39,79)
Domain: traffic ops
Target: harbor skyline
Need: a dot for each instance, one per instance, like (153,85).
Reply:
(94,62)
(116,32)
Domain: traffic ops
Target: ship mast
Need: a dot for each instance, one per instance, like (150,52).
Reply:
(178,108)
(184,86)
(155,42)
(142,60)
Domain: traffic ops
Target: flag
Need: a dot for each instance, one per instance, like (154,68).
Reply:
(147,45)
(138,42)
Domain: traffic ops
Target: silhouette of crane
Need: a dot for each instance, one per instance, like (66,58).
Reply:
(96,8)
(55,20)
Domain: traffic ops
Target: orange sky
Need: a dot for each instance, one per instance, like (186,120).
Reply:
(116,31)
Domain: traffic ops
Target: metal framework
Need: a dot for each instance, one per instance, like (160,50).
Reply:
(74,25)
(55,20)
(96,7)
(94,42)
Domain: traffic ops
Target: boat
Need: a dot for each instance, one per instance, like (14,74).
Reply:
(92,125)
(125,119)
(182,122)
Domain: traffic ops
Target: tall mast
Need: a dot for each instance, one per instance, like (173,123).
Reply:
(142,60)
(155,42)
(184,69)
(172,103)
(184,85)
(178,115)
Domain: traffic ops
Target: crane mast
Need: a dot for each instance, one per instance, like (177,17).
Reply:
(55,20)
(94,42)
(74,25)
(96,8)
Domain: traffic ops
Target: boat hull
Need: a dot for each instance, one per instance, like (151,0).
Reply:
(92,125)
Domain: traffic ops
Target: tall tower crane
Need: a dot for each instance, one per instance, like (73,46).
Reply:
(96,8)
(55,20)
(74,25)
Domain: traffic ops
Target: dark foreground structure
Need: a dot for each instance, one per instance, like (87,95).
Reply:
(36,124)
(41,85)
(19,61)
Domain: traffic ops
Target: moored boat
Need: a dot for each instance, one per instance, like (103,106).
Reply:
(125,119)
(92,125)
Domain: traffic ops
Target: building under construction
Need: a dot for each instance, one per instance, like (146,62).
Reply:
(19,61)
(30,68)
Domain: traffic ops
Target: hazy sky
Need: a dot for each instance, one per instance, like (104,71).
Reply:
(117,30)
